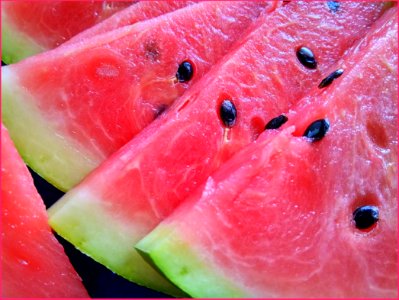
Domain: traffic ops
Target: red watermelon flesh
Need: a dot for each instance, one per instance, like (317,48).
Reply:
(142,183)
(277,219)
(30,27)
(33,262)
(142,10)
(113,86)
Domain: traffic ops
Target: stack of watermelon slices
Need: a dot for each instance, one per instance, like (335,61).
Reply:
(115,84)
(279,219)
(273,208)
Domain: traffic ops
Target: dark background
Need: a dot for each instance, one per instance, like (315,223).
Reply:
(98,280)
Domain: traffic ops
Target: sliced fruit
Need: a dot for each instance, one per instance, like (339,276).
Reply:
(294,216)
(149,177)
(28,27)
(34,264)
(114,85)
(140,11)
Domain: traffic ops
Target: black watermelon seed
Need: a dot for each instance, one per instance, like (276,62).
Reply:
(333,5)
(185,71)
(228,113)
(365,216)
(306,58)
(276,122)
(317,130)
(330,78)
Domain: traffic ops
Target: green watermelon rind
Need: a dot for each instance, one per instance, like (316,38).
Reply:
(97,240)
(20,116)
(192,272)
(16,45)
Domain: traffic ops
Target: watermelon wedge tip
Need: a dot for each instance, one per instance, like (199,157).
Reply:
(33,263)
(32,27)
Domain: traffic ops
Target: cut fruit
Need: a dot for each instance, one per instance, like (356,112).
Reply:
(281,218)
(30,27)
(149,177)
(34,264)
(114,85)
(140,11)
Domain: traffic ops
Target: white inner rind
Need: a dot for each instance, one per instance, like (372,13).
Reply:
(88,224)
(15,45)
(186,265)
(50,154)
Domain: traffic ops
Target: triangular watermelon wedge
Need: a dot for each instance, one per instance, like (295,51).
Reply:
(279,219)
(85,100)
(33,263)
(130,193)
(31,27)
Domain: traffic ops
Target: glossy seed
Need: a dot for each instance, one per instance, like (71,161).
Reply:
(185,71)
(365,216)
(306,58)
(317,130)
(333,5)
(228,113)
(330,78)
(276,122)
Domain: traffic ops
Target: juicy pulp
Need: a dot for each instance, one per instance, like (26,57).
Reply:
(140,11)
(276,219)
(33,262)
(114,85)
(30,27)
(144,181)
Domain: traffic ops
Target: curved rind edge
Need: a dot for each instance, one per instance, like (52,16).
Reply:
(47,153)
(187,268)
(15,45)
(81,219)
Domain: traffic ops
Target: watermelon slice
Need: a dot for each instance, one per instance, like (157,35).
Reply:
(33,262)
(277,219)
(28,27)
(142,10)
(130,193)
(83,101)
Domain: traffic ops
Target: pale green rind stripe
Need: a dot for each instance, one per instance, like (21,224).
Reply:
(83,221)
(51,155)
(189,269)
(15,45)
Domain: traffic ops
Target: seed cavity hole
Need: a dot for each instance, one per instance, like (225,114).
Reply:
(377,133)
(257,127)
(160,110)
(152,51)
(183,105)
